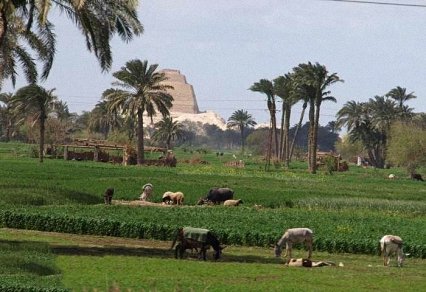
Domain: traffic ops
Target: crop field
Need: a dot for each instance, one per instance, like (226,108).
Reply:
(348,212)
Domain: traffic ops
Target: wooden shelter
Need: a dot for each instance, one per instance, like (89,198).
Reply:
(99,150)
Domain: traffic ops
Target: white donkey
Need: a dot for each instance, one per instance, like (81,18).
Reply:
(294,235)
(392,244)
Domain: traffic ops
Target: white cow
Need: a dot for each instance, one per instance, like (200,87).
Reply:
(294,235)
(392,244)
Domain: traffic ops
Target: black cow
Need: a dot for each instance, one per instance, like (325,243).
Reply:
(217,196)
(416,176)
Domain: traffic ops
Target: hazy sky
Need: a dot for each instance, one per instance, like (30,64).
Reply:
(224,46)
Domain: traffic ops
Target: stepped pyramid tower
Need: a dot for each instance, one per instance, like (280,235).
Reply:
(183,93)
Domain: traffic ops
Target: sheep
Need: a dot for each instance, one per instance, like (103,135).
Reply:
(295,235)
(173,198)
(392,244)
(392,176)
(232,202)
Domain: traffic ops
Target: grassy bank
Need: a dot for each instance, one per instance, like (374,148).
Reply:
(135,265)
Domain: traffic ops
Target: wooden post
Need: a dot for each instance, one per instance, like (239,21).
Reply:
(125,156)
(96,154)
(66,153)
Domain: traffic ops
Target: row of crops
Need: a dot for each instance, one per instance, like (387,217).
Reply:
(335,231)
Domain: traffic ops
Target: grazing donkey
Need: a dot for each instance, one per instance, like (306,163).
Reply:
(392,244)
(294,235)
(196,238)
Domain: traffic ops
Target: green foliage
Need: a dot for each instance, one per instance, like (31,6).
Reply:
(349,149)
(407,146)
(330,164)
(338,231)
(348,211)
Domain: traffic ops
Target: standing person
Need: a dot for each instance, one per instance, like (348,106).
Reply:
(146,192)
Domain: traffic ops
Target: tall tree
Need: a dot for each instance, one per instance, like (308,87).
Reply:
(266,87)
(102,120)
(400,95)
(407,146)
(283,86)
(370,124)
(18,46)
(98,21)
(168,130)
(140,89)
(242,120)
(7,118)
(318,79)
(35,102)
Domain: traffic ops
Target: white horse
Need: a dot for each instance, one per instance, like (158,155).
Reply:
(294,235)
(392,244)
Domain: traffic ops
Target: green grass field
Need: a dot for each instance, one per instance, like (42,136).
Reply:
(90,263)
(348,212)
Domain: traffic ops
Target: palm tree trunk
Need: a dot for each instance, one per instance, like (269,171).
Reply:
(8,130)
(311,133)
(286,137)
(242,139)
(315,138)
(41,145)
(168,142)
(140,149)
(269,150)
(275,133)
(305,105)
(282,131)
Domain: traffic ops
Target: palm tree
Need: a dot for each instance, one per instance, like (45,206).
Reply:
(400,95)
(351,115)
(283,86)
(305,99)
(7,116)
(61,110)
(17,45)
(102,120)
(141,89)
(36,102)
(316,77)
(168,130)
(266,87)
(369,123)
(98,20)
(242,120)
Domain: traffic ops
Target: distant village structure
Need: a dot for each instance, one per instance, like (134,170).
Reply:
(183,93)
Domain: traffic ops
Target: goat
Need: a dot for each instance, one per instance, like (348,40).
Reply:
(392,244)
(146,192)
